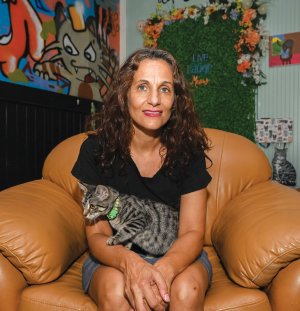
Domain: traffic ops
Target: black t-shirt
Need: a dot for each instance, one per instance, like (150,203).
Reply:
(160,187)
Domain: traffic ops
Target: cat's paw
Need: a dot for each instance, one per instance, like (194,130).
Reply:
(111,241)
(128,245)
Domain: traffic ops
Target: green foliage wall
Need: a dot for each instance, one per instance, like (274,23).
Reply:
(207,51)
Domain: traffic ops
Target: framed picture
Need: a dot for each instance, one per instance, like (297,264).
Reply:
(284,49)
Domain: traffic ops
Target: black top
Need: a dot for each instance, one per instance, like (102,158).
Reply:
(160,187)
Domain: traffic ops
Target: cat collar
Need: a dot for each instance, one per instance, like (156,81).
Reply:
(113,213)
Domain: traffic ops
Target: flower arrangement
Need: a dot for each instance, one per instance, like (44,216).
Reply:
(252,41)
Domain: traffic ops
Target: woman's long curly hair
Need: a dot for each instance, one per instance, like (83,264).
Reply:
(182,136)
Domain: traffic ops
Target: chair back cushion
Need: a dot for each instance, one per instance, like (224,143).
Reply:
(59,163)
(238,164)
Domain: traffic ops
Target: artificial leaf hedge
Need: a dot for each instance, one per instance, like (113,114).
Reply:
(206,52)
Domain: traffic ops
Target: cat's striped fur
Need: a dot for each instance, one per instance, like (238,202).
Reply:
(150,225)
(283,171)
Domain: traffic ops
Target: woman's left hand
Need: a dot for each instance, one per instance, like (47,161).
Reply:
(165,270)
(145,287)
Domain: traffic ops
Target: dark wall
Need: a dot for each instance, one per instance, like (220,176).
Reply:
(32,122)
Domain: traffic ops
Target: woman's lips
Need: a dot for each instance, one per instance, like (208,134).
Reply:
(152,113)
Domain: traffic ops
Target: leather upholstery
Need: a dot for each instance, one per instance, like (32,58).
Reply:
(284,290)
(237,165)
(260,249)
(252,234)
(42,230)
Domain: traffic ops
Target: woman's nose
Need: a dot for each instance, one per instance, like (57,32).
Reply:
(154,98)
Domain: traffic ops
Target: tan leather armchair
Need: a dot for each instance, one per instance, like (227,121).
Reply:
(252,234)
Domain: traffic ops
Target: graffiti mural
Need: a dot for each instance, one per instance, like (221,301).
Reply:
(67,46)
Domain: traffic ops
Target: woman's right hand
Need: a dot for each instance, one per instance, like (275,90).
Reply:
(145,287)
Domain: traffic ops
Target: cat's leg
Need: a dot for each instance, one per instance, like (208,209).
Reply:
(155,243)
(126,232)
(128,245)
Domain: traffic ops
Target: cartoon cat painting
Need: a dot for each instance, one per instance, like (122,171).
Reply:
(22,39)
(78,56)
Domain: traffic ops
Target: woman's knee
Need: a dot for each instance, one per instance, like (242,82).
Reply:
(189,288)
(188,292)
(107,290)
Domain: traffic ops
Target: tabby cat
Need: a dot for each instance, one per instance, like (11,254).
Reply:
(150,225)
(283,171)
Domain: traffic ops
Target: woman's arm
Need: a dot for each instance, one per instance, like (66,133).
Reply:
(190,236)
(139,276)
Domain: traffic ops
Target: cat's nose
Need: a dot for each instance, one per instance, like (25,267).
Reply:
(85,212)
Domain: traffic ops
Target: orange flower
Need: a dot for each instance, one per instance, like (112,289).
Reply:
(153,31)
(224,17)
(239,44)
(177,14)
(248,16)
(252,37)
(243,66)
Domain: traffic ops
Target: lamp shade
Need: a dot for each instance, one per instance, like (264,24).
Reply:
(274,130)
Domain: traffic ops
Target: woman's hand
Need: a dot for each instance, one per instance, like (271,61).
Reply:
(145,287)
(166,271)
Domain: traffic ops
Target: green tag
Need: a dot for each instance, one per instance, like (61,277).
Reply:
(113,213)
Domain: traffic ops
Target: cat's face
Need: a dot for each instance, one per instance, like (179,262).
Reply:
(79,49)
(97,200)
(280,153)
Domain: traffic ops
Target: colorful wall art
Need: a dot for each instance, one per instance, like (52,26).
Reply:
(69,47)
(284,49)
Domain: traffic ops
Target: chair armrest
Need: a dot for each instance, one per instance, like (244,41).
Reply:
(284,291)
(258,233)
(41,230)
(12,284)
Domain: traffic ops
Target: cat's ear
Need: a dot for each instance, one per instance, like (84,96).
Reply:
(83,187)
(60,15)
(102,192)
(91,25)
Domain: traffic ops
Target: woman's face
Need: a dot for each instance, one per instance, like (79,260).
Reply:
(151,95)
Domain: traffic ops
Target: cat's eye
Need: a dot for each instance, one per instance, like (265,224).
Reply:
(69,46)
(90,53)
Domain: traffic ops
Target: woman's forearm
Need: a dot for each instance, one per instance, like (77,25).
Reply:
(183,252)
(116,256)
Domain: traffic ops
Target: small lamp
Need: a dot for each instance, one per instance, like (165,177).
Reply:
(277,131)
(274,130)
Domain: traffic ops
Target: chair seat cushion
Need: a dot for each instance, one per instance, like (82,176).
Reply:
(64,293)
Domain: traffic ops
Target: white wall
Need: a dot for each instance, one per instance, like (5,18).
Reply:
(123,32)
(280,97)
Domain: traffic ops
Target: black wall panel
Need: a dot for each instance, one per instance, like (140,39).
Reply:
(32,122)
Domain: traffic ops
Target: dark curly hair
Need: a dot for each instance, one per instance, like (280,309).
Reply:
(182,136)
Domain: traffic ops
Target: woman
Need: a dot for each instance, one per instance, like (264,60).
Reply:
(148,143)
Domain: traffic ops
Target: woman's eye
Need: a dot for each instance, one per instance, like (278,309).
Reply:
(142,88)
(165,90)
